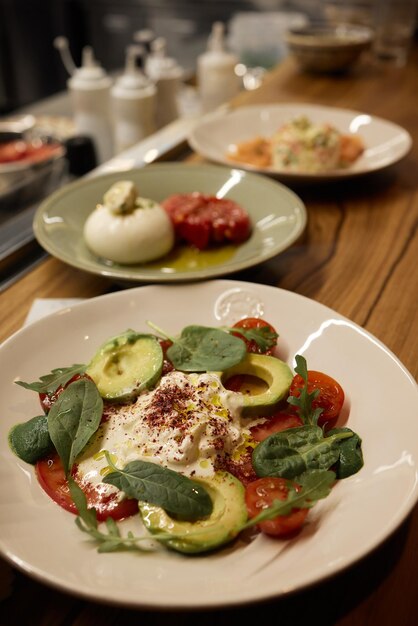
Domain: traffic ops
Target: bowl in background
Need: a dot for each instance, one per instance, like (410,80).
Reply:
(27,163)
(328,49)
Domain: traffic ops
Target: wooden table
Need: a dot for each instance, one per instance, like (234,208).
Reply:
(359,255)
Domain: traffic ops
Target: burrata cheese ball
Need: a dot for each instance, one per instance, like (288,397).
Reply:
(128,229)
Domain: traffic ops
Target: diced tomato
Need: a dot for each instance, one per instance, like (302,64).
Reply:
(330,398)
(48,399)
(262,493)
(167,364)
(51,477)
(249,323)
(276,423)
(201,220)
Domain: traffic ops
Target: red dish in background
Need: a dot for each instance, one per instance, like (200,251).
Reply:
(34,151)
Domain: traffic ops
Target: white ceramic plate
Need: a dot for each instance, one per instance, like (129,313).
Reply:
(386,143)
(42,539)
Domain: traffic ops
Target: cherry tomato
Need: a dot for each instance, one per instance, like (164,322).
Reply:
(275,424)
(48,399)
(250,323)
(167,364)
(260,494)
(330,398)
(51,477)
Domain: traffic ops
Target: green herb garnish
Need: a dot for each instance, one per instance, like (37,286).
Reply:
(203,349)
(303,402)
(149,482)
(50,382)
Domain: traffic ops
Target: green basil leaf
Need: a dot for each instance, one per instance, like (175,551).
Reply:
(289,453)
(175,493)
(74,418)
(202,349)
(351,455)
(50,382)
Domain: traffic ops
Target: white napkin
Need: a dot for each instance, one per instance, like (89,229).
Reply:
(44,306)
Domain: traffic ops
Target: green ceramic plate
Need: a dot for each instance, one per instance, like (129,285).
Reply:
(278,217)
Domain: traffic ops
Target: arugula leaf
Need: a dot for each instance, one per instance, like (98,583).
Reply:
(314,485)
(86,521)
(203,349)
(150,482)
(50,382)
(74,418)
(291,452)
(263,336)
(303,402)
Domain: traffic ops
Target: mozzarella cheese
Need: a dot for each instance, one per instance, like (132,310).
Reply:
(188,423)
(128,229)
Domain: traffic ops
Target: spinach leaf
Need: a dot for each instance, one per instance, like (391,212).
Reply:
(73,419)
(303,402)
(202,349)
(314,485)
(30,441)
(50,382)
(351,456)
(289,453)
(149,482)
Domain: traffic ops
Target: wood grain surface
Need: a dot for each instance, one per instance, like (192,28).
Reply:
(358,255)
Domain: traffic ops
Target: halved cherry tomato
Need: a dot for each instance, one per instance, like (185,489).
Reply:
(51,477)
(167,364)
(275,424)
(330,398)
(255,322)
(48,399)
(262,493)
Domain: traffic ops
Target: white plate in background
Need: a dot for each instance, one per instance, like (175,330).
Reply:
(385,142)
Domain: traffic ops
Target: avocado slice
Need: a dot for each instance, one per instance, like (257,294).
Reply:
(222,526)
(126,365)
(274,372)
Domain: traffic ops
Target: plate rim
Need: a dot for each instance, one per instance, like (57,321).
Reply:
(125,273)
(294,177)
(396,521)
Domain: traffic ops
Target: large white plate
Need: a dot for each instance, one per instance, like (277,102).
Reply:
(40,538)
(278,217)
(386,143)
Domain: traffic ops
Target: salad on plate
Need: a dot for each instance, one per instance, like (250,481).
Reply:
(196,439)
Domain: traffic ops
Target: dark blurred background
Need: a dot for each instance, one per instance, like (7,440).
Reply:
(30,66)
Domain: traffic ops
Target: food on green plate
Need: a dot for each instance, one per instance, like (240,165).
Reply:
(199,435)
(301,145)
(128,229)
(205,221)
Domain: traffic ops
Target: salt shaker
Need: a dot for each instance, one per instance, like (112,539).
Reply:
(90,86)
(167,75)
(217,81)
(134,98)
